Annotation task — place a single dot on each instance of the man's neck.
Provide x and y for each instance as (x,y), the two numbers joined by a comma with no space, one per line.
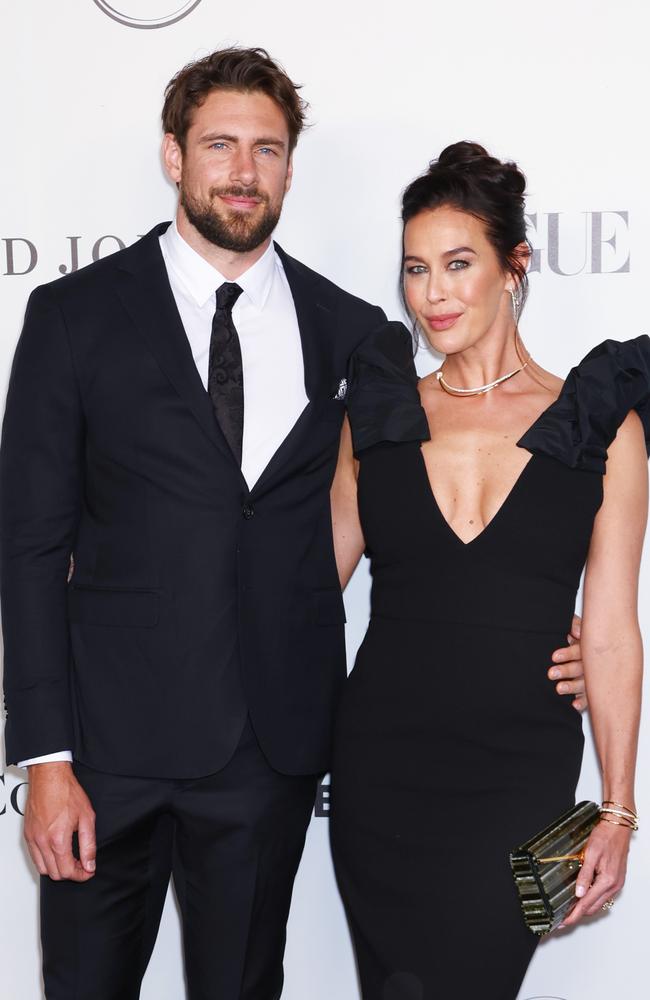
(229,263)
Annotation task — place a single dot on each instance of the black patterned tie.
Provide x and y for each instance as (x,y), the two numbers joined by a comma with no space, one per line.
(225,371)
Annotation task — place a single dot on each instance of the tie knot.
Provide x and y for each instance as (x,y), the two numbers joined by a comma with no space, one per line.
(227,295)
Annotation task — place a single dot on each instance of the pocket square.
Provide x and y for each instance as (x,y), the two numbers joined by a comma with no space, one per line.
(342,390)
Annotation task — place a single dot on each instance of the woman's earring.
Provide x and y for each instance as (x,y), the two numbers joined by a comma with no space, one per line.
(515,295)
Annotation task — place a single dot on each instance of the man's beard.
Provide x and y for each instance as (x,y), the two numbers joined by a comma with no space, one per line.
(238,231)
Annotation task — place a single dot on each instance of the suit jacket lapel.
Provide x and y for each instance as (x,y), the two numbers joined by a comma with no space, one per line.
(313,319)
(146,294)
(314,322)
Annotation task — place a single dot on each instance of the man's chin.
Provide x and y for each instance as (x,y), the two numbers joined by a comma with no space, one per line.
(242,234)
(241,239)
(237,239)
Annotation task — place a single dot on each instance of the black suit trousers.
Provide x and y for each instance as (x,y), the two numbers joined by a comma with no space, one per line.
(233,839)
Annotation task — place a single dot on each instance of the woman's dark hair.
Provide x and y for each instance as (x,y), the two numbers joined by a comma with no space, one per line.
(466,177)
(246,70)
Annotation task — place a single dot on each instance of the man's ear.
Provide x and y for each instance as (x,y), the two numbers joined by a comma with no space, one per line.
(172,156)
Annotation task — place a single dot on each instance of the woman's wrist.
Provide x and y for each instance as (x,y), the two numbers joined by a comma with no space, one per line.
(620,792)
(617,813)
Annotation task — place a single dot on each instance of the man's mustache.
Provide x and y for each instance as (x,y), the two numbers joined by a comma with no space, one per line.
(240,192)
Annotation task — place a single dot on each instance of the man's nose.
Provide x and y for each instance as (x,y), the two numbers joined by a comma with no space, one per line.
(243,167)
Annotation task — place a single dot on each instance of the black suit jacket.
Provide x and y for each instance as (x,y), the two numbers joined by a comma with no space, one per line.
(194,599)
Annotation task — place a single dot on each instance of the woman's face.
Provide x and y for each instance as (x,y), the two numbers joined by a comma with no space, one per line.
(453,280)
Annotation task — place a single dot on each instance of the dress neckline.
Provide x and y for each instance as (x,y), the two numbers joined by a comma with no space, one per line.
(513,489)
(495,517)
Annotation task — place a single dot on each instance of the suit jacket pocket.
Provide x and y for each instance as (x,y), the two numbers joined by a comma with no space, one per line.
(328,606)
(113,606)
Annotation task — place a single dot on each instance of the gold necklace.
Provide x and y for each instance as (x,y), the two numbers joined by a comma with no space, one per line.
(455,391)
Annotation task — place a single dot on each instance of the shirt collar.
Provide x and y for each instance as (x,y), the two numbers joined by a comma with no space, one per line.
(201,279)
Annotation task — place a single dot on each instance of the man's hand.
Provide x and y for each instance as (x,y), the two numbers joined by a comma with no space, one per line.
(57,807)
(567,668)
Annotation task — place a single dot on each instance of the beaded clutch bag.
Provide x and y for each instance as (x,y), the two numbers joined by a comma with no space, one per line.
(546,867)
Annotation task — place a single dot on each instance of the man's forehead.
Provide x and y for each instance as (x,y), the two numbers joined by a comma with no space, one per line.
(243,110)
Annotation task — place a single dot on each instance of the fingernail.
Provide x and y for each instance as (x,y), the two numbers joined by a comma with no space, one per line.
(90,866)
(557,657)
(560,926)
(580,891)
(563,688)
(554,673)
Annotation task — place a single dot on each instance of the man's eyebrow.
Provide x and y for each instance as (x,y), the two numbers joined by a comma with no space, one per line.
(223,137)
(270,142)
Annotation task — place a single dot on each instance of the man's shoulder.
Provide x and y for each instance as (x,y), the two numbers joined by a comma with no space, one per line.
(101,273)
(327,291)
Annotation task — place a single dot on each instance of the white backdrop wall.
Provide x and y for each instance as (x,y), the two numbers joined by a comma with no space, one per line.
(560,86)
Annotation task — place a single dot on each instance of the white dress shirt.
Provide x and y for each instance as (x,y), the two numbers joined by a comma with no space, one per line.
(266,321)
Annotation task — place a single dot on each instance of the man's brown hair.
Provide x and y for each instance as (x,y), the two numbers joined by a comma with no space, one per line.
(235,68)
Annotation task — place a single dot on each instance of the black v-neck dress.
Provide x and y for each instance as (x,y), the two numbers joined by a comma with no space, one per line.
(451,745)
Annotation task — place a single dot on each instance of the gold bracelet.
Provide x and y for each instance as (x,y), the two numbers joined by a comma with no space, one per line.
(609,802)
(618,812)
(630,824)
(622,812)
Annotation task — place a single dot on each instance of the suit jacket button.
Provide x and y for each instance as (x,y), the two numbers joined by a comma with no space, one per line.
(248,510)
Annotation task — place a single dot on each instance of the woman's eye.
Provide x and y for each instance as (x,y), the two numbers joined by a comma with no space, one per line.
(416,269)
(458,265)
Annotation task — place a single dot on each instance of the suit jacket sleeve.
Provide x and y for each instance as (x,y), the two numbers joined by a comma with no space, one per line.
(40,492)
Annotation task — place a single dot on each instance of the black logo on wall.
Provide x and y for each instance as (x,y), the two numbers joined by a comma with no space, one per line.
(564,243)
(12,796)
(150,14)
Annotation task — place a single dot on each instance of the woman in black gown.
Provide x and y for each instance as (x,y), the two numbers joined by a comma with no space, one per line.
(478,511)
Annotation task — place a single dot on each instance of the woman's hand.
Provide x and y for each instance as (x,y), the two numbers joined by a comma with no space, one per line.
(603,872)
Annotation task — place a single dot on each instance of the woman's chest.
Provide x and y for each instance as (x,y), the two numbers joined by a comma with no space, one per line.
(471,473)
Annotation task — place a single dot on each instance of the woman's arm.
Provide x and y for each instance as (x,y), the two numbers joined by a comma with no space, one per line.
(348,537)
(613,655)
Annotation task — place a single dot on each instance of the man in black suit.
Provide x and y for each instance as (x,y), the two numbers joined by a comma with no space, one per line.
(173,420)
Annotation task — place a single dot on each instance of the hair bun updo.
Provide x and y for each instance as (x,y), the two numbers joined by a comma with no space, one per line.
(460,153)
(473,158)
(466,177)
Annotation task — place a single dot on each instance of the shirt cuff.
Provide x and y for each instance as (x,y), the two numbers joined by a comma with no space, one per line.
(48,758)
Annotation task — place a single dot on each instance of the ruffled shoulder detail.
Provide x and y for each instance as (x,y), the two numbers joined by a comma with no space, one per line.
(580,425)
(383,400)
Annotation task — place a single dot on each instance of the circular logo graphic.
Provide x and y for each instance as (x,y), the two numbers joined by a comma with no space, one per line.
(147,13)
